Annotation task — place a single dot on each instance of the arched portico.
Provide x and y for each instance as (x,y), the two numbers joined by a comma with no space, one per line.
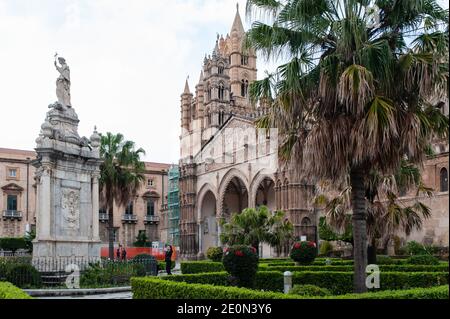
(207,219)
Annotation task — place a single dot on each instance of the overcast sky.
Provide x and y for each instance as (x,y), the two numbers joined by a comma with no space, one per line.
(128,60)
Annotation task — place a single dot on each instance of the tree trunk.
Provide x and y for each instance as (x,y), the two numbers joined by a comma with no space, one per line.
(359,230)
(111,233)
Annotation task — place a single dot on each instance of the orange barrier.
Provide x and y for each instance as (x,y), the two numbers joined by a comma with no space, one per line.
(159,254)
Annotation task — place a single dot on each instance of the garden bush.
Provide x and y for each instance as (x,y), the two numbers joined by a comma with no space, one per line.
(158,288)
(423,260)
(389,268)
(241,262)
(215,254)
(111,274)
(309,290)
(325,248)
(385,260)
(9,291)
(304,252)
(13,244)
(195,267)
(415,248)
(342,282)
(23,276)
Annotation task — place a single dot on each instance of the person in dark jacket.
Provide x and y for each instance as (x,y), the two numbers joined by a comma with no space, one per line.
(168,259)
(119,252)
(124,254)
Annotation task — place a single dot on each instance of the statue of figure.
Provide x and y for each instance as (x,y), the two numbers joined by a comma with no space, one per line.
(63,82)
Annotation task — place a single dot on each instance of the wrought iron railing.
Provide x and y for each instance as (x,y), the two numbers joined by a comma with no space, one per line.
(55,272)
(129,218)
(152,219)
(12,214)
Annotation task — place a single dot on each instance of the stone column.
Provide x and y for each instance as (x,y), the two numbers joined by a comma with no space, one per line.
(200,238)
(95,208)
(45,202)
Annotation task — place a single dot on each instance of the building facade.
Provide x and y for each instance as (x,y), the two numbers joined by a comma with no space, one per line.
(18,201)
(224,169)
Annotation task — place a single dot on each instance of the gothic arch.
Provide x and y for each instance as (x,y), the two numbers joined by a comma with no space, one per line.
(201,195)
(257,180)
(227,178)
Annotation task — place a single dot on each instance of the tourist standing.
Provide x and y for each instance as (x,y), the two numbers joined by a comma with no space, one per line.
(168,259)
(119,252)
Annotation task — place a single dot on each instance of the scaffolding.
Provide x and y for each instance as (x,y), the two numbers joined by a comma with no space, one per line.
(173,205)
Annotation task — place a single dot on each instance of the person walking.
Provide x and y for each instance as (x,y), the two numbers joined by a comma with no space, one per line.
(124,254)
(168,259)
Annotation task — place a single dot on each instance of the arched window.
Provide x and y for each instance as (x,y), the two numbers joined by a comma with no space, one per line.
(244,88)
(221,92)
(306,221)
(221,69)
(444,180)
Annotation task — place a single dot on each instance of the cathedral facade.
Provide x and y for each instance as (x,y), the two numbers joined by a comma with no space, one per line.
(227,165)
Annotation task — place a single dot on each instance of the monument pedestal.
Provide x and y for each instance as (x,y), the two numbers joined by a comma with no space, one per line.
(67,173)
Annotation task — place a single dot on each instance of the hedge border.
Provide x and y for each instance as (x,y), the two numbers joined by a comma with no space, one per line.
(158,288)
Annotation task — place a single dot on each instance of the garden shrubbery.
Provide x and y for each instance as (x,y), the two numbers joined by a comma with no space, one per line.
(309,290)
(157,288)
(13,244)
(215,254)
(241,262)
(21,275)
(195,267)
(423,260)
(304,252)
(111,274)
(9,291)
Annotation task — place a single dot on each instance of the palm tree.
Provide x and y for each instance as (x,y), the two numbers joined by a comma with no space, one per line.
(120,177)
(386,215)
(253,226)
(354,95)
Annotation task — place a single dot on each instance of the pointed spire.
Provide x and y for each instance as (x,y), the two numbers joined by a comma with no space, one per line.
(201,77)
(237,24)
(216,52)
(186,87)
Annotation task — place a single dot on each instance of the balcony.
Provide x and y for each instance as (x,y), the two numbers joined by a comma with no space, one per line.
(12,214)
(103,217)
(129,218)
(151,219)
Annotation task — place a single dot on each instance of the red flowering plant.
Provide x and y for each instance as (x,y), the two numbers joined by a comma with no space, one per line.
(304,253)
(241,262)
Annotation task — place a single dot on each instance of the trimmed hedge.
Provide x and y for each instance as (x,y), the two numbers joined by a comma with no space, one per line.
(9,291)
(195,267)
(157,288)
(13,243)
(385,268)
(337,282)
(342,282)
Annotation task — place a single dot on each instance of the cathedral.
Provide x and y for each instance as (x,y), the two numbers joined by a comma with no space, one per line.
(227,165)
(221,174)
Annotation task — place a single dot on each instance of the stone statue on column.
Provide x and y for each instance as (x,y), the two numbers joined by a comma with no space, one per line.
(63,82)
